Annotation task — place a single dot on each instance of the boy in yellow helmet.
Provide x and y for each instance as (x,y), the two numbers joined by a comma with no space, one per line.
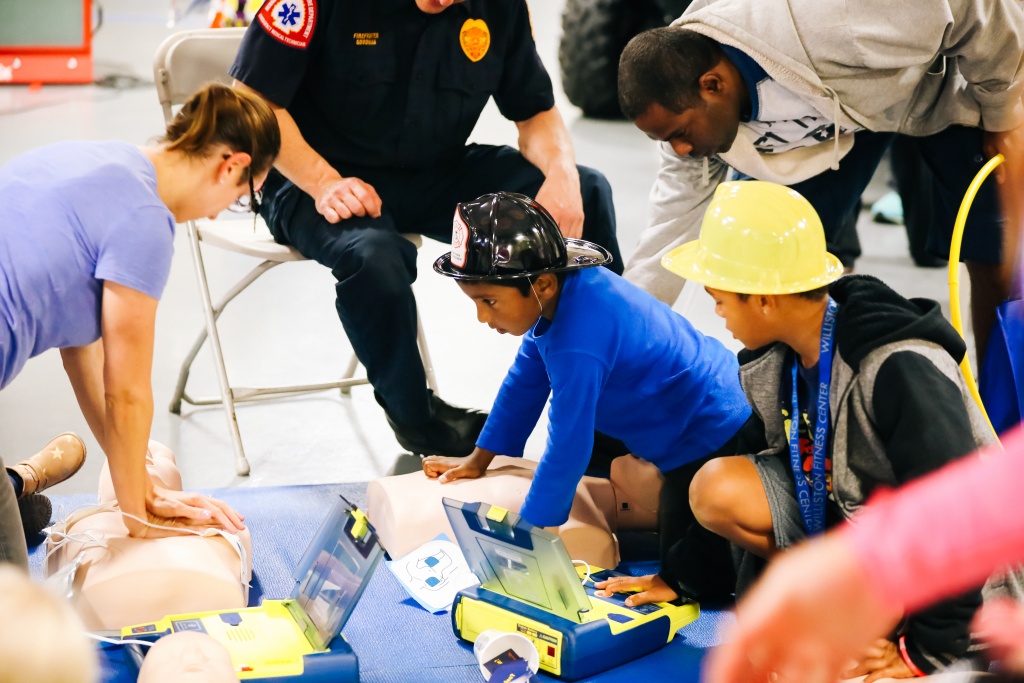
(873,376)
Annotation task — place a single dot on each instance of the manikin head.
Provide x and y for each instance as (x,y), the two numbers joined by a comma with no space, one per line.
(187,657)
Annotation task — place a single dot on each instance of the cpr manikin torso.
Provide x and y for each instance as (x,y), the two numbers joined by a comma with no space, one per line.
(122,581)
(406,510)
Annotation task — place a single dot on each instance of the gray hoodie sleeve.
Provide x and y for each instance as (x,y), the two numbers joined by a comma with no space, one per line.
(994,75)
(677,203)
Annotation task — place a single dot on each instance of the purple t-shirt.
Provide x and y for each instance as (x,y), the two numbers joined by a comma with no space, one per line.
(73,215)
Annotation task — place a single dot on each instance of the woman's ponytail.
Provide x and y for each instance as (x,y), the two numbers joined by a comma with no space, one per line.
(217,114)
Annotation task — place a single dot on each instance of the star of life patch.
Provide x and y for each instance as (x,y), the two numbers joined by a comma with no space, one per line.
(290,22)
(460,240)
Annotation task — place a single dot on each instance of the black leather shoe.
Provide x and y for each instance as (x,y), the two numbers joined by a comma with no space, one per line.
(926,260)
(35,512)
(451,431)
(467,420)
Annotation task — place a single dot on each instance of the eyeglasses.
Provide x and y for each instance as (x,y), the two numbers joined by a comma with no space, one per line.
(250,203)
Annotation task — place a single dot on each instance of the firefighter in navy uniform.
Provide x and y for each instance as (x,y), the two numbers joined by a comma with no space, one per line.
(376,99)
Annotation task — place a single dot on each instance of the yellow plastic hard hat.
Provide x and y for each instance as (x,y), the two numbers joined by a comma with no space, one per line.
(757,238)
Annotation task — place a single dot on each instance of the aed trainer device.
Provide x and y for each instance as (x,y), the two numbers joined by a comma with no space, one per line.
(297,639)
(528,585)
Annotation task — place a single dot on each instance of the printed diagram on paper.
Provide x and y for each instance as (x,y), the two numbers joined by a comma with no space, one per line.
(434,573)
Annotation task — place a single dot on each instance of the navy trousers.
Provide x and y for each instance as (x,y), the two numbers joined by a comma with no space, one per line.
(375,266)
(953,156)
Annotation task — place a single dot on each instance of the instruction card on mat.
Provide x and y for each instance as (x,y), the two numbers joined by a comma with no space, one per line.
(434,573)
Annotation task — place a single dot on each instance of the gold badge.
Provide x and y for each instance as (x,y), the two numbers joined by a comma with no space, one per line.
(475,39)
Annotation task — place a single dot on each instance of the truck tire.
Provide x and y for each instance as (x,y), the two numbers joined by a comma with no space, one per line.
(593,35)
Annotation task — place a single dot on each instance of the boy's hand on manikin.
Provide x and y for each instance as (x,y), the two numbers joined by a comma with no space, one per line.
(446,469)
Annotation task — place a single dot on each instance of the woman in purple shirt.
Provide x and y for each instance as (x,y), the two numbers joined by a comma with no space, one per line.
(86,238)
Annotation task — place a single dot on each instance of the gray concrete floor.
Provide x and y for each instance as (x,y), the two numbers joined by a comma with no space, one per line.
(284,329)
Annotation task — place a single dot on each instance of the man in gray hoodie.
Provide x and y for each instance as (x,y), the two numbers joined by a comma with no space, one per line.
(808,94)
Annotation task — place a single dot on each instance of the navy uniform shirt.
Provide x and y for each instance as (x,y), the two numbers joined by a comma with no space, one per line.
(380,83)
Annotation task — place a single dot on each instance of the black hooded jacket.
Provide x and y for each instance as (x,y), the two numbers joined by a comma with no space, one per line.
(899,409)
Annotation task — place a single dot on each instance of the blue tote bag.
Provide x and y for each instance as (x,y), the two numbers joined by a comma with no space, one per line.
(1002,376)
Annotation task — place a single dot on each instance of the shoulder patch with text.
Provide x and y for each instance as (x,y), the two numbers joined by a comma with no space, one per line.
(289,21)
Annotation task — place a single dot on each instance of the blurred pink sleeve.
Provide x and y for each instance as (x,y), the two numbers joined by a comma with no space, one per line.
(947,532)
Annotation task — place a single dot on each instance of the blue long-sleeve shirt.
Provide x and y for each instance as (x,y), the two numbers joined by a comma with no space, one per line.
(617,360)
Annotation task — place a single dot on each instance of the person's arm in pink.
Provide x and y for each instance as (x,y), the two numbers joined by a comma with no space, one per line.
(944,533)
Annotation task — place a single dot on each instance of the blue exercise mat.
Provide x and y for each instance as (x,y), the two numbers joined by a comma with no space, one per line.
(396,640)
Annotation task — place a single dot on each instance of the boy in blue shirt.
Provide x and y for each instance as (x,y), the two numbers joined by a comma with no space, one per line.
(612,358)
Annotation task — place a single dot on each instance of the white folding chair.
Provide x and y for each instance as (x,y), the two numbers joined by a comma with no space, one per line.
(183,63)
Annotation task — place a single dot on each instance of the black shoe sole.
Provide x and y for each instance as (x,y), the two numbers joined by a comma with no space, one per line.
(36,511)
(467,428)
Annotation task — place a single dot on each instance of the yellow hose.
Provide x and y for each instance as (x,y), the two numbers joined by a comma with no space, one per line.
(954,275)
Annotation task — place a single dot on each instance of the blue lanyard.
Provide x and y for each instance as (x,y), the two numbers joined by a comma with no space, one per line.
(811,497)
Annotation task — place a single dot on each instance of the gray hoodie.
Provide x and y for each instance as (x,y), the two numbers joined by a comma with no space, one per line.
(899,409)
(858,65)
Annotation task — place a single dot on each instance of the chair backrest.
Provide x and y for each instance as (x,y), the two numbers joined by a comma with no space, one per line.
(187,60)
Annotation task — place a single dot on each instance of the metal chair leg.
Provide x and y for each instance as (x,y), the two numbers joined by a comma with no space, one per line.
(350,372)
(180,393)
(421,342)
(230,396)
(428,365)
(241,464)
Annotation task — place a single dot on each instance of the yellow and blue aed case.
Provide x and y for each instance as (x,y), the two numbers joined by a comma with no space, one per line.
(297,639)
(528,584)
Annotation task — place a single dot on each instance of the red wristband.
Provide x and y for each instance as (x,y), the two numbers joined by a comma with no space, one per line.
(905,656)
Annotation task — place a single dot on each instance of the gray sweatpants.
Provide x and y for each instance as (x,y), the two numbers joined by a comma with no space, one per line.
(12,536)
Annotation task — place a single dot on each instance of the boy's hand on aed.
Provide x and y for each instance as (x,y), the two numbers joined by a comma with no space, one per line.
(446,469)
(651,589)
(881,660)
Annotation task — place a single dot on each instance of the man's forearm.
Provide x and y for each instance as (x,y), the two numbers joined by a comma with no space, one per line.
(545,142)
(300,163)
(297,161)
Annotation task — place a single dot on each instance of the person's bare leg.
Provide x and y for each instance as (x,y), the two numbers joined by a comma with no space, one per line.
(988,291)
(728,498)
